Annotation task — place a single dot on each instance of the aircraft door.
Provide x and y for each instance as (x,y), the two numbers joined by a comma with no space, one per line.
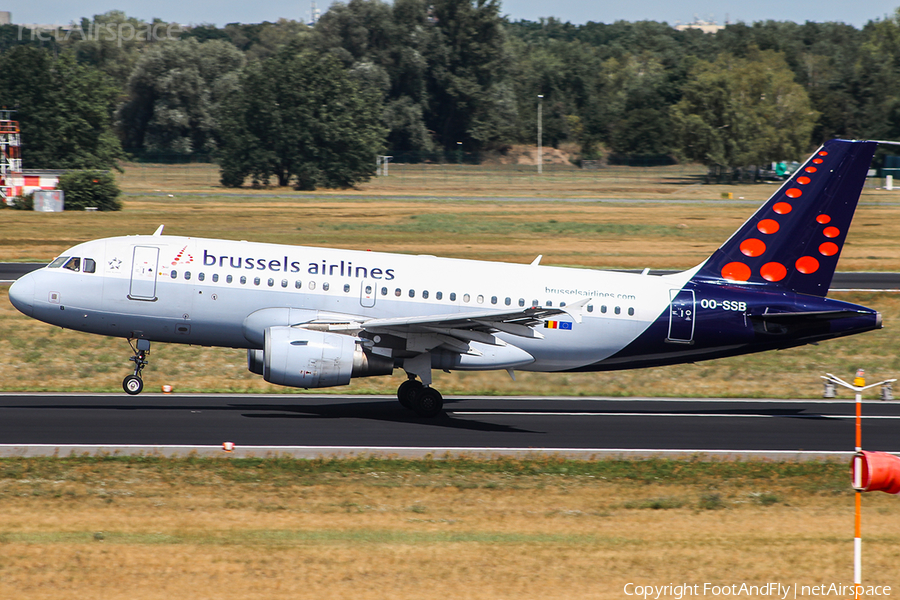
(367,293)
(143,273)
(681,316)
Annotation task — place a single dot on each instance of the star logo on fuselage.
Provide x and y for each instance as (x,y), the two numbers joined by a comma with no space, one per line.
(114,264)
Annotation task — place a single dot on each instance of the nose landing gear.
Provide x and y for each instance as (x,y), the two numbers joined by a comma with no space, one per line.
(133,384)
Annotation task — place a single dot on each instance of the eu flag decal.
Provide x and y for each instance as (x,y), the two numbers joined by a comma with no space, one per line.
(558,325)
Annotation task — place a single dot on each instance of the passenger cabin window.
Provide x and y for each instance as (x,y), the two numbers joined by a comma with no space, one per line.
(201,276)
(243,280)
(256,281)
(215,277)
(312,285)
(173,274)
(397,292)
(452,296)
(229,279)
(384,291)
(439,295)
(630,312)
(284,283)
(493,299)
(480,299)
(549,303)
(271,282)
(412,293)
(590,308)
(521,301)
(90,265)
(187,275)
(74,264)
(465,297)
(535,303)
(618,310)
(297,284)
(326,286)
(58,262)
(508,301)
(425,294)
(347,288)
(603,308)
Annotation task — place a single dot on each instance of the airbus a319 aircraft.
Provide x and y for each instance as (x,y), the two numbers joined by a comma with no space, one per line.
(317,317)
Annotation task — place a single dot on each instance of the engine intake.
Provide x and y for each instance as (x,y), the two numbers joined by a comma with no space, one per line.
(297,357)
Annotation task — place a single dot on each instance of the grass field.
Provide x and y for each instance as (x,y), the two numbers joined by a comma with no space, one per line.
(148,528)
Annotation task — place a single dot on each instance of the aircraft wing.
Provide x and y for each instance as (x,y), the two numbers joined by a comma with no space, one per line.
(456,330)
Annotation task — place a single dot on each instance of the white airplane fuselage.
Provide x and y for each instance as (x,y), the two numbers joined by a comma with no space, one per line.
(191,300)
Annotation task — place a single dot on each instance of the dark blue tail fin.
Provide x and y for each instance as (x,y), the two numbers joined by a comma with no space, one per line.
(794,240)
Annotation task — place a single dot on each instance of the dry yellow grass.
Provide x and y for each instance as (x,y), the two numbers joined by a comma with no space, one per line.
(590,234)
(192,533)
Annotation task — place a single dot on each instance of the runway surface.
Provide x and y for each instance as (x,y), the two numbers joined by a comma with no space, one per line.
(843,281)
(316,425)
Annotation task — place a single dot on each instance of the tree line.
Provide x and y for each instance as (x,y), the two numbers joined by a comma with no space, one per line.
(313,105)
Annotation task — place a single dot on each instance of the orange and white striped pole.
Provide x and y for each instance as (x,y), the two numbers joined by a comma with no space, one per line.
(859,465)
(859,382)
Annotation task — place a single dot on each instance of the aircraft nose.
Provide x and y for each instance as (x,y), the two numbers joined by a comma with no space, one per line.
(21,294)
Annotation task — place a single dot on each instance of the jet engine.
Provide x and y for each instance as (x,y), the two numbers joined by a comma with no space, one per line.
(302,358)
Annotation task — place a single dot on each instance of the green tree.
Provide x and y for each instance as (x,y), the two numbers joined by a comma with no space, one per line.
(738,112)
(90,189)
(469,97)
(174,93)
(386,46)
(302,119)
(64,109)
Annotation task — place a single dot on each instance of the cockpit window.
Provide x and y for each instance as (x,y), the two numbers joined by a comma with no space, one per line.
(74,264)
(58,262)
(89,265)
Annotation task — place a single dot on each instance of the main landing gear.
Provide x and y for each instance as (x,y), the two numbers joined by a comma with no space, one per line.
(424,401)
(133,384)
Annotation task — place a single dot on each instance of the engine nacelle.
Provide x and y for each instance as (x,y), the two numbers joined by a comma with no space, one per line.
(303,358)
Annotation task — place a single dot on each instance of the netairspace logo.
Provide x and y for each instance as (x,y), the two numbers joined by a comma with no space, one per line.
(771,589)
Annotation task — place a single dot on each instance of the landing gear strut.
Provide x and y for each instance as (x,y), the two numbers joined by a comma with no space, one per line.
(424,401)
(133,384)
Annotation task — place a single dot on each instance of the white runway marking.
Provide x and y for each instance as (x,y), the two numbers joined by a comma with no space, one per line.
(647,414)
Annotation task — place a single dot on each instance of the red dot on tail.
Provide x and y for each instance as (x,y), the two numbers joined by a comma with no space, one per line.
(807,265)
(823,219)
(810,169)
(823,153)
(831,232)
(773,271)
(793,193)
(782,208)
(803,180)
(817,161)
(828,248)
(753,247)
(736,271)
(767,226)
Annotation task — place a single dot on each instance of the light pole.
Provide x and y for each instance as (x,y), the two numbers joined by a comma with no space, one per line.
(858,386)
(540,134)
